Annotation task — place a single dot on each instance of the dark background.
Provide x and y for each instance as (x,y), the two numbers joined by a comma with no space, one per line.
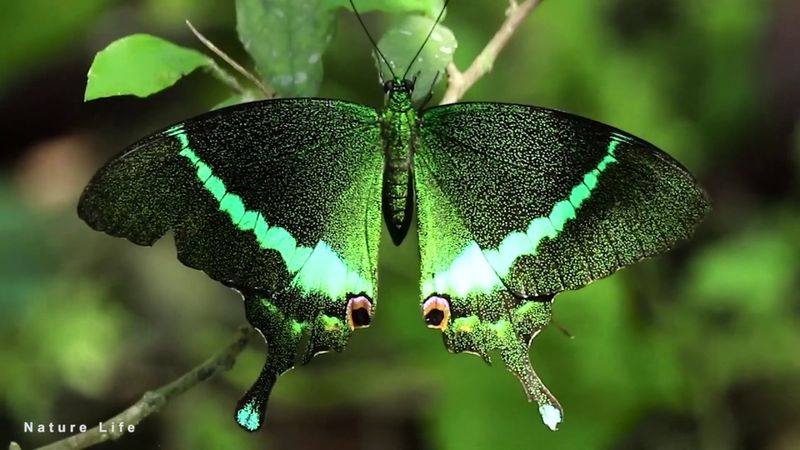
(696,349)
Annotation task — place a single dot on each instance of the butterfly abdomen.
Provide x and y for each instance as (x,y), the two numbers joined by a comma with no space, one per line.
(398,130)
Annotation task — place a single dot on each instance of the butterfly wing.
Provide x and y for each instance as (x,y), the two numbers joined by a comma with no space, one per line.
(517,203)
(279,199)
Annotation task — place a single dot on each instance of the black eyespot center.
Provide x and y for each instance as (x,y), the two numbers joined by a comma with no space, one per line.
(359,311)
(361,317)
(436,312)
(434,317)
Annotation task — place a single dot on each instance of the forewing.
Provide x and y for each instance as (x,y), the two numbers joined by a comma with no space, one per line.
(517,203)
(553,200)
(279,199)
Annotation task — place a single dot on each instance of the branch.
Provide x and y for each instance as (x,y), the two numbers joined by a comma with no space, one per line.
(227,79)
(222,75)
(151,402)
(459,82)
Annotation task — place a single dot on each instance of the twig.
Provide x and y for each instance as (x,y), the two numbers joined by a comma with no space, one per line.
(236,66)
(151,402)
(460,82)
(226,78)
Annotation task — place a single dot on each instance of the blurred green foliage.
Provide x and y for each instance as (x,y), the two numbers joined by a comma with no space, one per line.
(667,354)
(39,29)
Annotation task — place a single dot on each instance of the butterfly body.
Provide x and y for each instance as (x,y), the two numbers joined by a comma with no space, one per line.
(400,133)
(283,200)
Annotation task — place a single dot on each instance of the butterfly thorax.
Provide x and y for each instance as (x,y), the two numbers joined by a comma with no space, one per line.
(399,135)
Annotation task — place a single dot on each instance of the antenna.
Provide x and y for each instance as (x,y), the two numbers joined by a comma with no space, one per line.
(438,19)
(371,40)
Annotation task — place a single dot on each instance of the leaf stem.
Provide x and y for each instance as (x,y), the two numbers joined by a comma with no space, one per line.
(227,79)
(152,401)
(460,82)
(266,92)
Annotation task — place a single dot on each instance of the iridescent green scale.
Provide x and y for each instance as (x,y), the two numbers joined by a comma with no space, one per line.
(282,200)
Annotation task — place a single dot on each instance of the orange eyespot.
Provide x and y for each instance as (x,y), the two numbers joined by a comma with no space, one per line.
(436,312)
(359,312)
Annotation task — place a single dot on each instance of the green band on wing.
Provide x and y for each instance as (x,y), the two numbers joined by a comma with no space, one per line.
(475,270)
(317,269)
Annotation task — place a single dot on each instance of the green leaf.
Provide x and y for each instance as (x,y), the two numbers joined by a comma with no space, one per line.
(430,8)
(140,65)
(286,39)
(401,43)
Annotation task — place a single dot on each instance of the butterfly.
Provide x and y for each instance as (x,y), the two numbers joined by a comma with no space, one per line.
(284,199)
